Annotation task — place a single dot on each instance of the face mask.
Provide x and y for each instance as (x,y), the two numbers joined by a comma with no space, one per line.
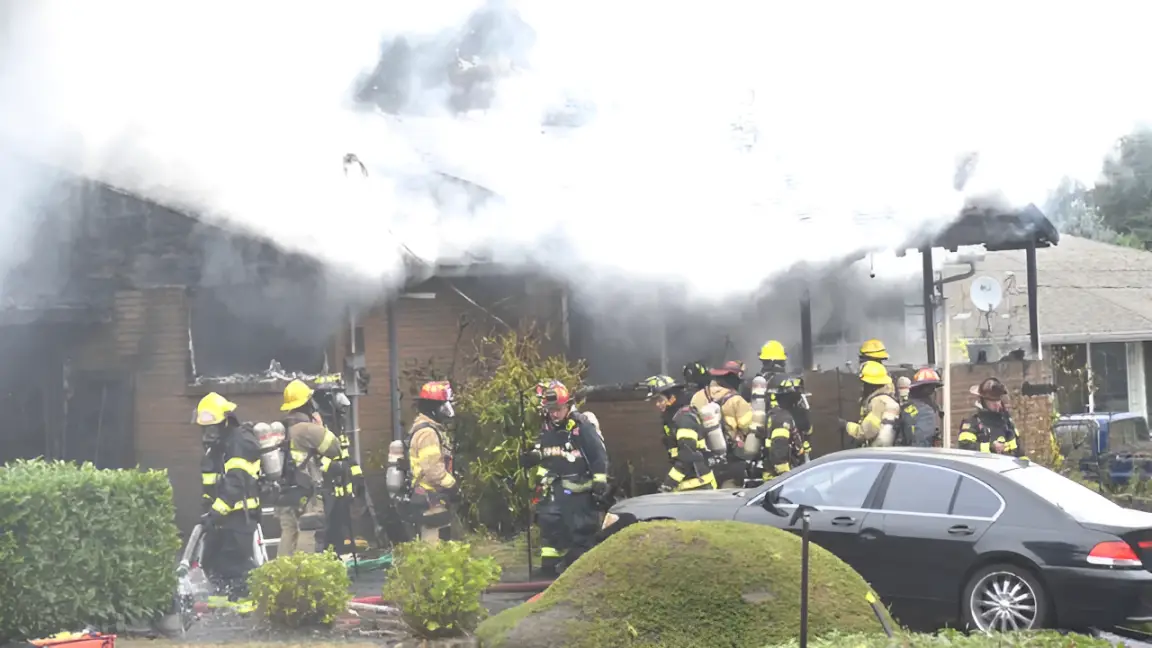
(210,435)
(446,410)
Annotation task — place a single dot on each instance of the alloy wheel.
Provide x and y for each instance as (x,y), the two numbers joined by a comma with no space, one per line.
(1002,601)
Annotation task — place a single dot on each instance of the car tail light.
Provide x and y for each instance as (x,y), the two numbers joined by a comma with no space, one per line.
(1114,554)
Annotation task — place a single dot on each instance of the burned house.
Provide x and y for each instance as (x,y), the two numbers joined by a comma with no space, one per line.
(125,313)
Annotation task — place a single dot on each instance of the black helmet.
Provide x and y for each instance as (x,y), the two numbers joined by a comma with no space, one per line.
(660,384)
(696,373)
(786,384)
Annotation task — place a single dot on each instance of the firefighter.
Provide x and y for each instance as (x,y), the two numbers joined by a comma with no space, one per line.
(919,413)
(773,361)
(879,410)
(903,385)
(571,465)
(788,428)
(231,471)
(873,350)
(683,437)
(430,459)
(301,509)
(340,475)
(991,428)
(735,420)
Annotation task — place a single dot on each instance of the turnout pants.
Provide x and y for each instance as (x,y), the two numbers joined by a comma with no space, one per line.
(338,526)
(292,539)
(568,526)
(434,515)
(228,553)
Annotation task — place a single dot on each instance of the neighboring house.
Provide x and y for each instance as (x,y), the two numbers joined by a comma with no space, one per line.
(1095,319)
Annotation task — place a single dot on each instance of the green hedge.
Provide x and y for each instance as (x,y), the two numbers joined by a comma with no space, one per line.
(953,639)
(83,546)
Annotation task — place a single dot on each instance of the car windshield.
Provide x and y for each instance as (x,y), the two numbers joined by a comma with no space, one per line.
(1075,500)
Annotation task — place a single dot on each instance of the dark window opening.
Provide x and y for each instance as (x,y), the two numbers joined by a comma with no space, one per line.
(243,329)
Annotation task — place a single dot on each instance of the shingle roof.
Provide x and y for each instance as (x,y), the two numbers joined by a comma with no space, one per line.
(1088,291)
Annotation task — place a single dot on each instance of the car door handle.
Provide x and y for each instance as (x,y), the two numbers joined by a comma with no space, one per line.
(843,520)
(961,529)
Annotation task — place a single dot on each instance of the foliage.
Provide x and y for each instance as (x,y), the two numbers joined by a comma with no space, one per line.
(438,587)
(303,589)
(497,422)
(83,546)
(671,584)
(954,639)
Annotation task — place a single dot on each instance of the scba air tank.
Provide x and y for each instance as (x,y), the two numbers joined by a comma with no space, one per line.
(395,478)
(271,438)
(710,418)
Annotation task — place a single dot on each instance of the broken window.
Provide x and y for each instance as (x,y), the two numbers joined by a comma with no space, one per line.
(242,329)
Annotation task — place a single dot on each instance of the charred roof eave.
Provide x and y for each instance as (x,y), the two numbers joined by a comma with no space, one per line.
(995,229)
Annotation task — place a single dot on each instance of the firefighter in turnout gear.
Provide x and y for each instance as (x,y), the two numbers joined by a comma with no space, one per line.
(301,509)
(773,361)
(991,428)
(230,469)
(919,414)
(788,427)
(873,350)
(571,466)
(879,410)
(430,459)
(727,419)
(683,437)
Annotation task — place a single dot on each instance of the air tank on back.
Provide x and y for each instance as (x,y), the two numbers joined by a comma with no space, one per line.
(271,437)
(714,438)
(396,476)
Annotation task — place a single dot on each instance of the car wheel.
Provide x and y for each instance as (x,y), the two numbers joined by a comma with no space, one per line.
(1004,597)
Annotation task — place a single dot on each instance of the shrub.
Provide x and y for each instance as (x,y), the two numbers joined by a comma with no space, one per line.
(498,422)
(438,587)
(673,584)
(82,546)
(953,639)
(301,590)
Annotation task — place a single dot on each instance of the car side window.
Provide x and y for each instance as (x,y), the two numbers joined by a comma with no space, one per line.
(843,484)
(974,499)
(916,488)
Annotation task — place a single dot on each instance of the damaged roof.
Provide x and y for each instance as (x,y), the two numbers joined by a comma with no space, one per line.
(1088,292)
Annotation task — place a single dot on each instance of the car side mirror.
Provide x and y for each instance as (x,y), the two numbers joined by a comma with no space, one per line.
(769,502)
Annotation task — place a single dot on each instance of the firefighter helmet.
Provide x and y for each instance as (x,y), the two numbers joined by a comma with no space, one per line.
(556,396)
(695,372)
(773,351)
(730,368)
(926,376)
(438,391)
(785,384)
(212,409)
(873,349)
(990,389)
(874,373)
(296,394)
(661,384)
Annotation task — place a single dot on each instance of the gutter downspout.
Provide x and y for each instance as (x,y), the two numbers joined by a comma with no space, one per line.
(394,366)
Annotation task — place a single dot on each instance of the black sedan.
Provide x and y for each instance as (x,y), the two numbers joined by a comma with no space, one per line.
(951,537)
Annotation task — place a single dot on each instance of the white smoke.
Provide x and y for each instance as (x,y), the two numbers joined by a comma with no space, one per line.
(746,136)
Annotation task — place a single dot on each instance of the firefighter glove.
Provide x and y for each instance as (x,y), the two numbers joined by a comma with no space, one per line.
(358,485)
(600,489)
(531,458)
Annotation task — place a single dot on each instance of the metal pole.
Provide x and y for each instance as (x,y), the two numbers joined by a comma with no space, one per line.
(807,352)
(354,412)
(1033,307)
(929,312)
(394,368)
(946,374)
(805,521)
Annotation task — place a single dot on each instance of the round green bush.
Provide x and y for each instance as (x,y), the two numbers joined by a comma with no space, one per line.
(438,587)
(673,584)
(301,590)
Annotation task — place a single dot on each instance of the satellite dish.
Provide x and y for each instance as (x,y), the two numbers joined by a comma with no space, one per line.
(986,293)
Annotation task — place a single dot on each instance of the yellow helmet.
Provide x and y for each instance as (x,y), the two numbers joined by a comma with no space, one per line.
(296,394)
(773,350)
(873,349)
(874,373)
(212,409)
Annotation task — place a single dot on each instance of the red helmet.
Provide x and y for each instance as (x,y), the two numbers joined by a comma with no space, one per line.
(556,396)
(732,367)
(926,376)
(438,390)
